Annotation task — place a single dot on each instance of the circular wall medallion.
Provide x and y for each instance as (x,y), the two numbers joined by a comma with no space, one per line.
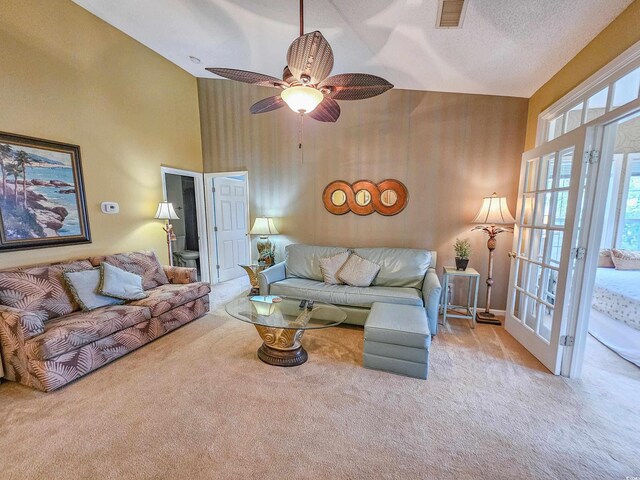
(388,198)
(364,197)
(338,198)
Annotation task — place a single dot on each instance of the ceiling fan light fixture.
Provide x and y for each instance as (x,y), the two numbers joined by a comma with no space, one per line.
(302,99)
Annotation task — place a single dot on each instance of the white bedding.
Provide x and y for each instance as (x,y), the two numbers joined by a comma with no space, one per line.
(617,294)
(620,338)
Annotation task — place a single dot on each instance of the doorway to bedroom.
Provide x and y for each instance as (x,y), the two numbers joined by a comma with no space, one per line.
(614,308)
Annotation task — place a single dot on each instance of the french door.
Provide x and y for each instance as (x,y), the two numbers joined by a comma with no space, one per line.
(548,213)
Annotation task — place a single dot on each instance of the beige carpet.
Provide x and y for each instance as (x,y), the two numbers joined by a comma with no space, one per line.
(199,404)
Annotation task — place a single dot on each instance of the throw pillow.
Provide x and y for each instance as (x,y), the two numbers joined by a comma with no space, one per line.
(40,289)
(120,284)
(604,259)
(143,263)
(358,271)
(83,286)
(625,259)
(330,266)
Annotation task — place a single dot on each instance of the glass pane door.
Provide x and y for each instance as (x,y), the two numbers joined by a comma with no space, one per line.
(550,182)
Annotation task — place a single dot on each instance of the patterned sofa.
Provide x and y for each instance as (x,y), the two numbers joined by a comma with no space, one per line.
(47,341)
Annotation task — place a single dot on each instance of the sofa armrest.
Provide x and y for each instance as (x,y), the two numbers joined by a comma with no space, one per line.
(271,275)
(431,291)
(181,274)
(30,324)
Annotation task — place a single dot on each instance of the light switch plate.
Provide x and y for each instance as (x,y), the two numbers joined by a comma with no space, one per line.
(110,208)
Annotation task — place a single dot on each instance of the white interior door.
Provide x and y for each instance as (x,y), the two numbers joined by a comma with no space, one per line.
(231,230)
(544,250)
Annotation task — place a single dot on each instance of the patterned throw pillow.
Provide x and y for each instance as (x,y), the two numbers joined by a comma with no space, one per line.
(118,283)
(625,259)
(84,285)
(330,266)
(40,289)
(358,271)
(144,263)
(604,259)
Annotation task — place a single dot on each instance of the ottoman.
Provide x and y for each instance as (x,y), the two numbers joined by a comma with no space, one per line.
(397,339)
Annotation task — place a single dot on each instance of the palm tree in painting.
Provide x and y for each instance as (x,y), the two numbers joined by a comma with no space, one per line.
(22,161)
(13,170)
(6,152)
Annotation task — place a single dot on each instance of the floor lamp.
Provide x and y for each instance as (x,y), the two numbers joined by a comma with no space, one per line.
(166,212)
(494,211)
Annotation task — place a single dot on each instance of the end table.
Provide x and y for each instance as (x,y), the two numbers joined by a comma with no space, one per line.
(467,311)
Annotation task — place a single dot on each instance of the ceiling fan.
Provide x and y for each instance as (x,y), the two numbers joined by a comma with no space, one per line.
(305,86)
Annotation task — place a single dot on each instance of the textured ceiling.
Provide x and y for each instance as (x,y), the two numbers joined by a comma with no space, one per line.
(506,47)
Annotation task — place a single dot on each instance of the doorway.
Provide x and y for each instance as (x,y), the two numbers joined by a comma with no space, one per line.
(609,302)
(227,201)
(184,189)
(561,204)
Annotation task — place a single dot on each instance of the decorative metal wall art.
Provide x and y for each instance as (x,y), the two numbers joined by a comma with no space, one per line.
(389,197)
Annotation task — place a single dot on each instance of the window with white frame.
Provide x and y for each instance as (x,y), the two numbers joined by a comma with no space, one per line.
(630,211)
(616,90)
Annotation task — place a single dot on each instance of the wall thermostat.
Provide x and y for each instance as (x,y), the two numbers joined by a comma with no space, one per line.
(110,207)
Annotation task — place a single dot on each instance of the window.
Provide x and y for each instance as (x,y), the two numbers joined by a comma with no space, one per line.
(630,231)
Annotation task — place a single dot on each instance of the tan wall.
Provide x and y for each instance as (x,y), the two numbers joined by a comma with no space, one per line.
(68,76)
(449,149)
(618,36)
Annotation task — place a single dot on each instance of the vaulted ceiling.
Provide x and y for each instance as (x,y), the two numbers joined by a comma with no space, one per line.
(505,47)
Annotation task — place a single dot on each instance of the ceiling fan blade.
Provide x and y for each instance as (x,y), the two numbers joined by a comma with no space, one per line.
(249,77)
(310,58)
(267,104)
(327,111)
(353,86)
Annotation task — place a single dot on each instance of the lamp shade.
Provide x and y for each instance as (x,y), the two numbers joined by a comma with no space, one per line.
(302,99)
(166,212)
(494,211)
(264,226)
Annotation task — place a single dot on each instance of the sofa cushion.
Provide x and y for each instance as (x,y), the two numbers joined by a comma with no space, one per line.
(303,261)
(167,297)
(344,294)
(330,266)
(40,289)
(84,286)
(143,263)
(399,267)
(70,332)
(358,271)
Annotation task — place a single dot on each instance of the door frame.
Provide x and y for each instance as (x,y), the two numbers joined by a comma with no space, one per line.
(200,213)
(596,192)
(211,219)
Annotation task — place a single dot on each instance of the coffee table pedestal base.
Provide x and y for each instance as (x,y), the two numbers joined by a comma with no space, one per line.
(281,346)
(282,358)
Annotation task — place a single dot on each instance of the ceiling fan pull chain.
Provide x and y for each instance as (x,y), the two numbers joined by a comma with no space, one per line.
(300,134)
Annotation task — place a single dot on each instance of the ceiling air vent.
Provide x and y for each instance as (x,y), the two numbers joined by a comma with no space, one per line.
(451,13)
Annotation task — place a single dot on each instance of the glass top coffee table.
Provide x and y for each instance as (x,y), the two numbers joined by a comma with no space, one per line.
(281,322)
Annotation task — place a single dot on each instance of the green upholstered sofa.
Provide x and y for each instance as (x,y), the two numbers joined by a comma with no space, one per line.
(407,277)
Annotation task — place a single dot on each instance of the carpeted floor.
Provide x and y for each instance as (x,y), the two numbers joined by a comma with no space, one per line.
(198,403)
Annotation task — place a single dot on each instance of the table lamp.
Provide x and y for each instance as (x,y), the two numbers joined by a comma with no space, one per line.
(264,226)
(494,211)
(166,212)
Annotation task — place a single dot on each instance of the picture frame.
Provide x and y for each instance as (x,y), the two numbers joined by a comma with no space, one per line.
(42,194)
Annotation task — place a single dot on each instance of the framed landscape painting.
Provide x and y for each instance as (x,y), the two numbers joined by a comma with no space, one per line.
(42,201)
